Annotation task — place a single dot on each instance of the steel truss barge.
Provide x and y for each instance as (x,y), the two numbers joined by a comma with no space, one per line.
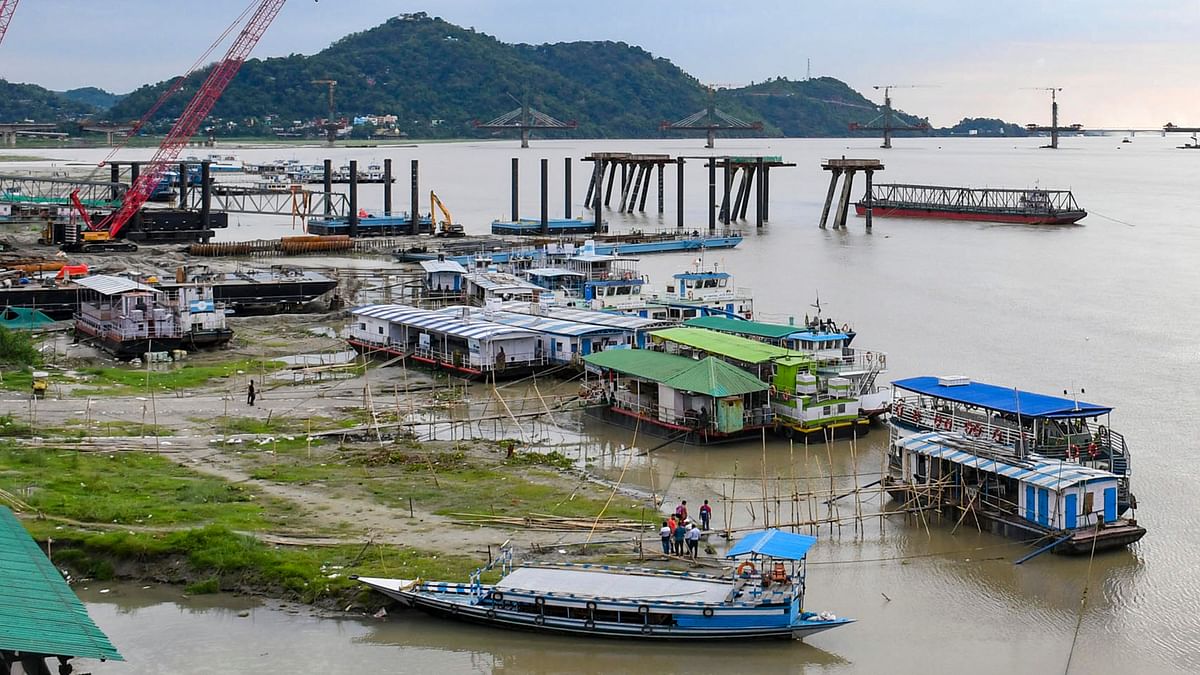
(1026,206)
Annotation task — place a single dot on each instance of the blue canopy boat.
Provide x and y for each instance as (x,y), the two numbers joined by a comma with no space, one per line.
(763,599)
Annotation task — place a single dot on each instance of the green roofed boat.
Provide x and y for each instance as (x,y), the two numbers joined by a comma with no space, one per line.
(695,401)
(806,380)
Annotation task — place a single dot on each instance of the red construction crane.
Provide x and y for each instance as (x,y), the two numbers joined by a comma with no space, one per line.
(103,235)
(7,7)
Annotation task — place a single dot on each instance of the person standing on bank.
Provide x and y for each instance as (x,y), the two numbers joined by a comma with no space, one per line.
(693,542)
(665,533)
(705,515)
(250,393)
(680,532)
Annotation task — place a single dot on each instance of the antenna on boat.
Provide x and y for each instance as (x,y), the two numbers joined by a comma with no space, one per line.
(1020,426)
(1075,395)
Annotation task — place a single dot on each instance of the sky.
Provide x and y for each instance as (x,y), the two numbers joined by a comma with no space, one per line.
(1119,64)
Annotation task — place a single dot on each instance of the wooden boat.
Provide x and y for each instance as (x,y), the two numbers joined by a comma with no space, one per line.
(763,599)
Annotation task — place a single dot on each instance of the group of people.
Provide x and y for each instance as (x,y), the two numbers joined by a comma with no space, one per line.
(679,530)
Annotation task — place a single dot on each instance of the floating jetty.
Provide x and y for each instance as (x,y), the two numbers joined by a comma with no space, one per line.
(553,226)
(1026,206)
(370,225)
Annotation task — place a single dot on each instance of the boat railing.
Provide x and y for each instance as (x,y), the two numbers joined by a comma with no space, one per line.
(927,415)
(923,196)
(853,361)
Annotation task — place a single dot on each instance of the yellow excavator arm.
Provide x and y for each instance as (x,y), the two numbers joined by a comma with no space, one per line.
(435,202)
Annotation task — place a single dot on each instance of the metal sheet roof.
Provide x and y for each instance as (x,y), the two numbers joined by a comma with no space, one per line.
(106,284)
(714,377)
(773,543)
(39,613)
(553,272)
(592,316)
(733,346)
(432,266)
(1003,399)
(1052,474)
(643,363)
(600,583)
(726,324)
(500,281)
(475,329)
(541,324)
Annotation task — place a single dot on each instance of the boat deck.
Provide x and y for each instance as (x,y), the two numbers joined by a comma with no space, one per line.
(599,583)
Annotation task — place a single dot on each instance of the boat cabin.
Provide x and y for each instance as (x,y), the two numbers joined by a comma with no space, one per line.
(481,287)
(1052,426)
(1019,494)
(443,276)
(471,347)
(709,396)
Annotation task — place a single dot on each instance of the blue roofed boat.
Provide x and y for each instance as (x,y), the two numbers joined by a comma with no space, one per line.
(372,225)
(764,598)
(1054,427)
(694,242)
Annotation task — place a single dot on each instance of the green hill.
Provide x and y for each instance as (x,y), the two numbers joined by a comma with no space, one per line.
(438,78)
(21,102)
(91,96)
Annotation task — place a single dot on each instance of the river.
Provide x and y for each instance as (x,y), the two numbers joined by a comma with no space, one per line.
(1108,307)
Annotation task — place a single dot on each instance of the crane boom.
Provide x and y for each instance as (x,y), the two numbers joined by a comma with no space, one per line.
(7,7)
(193,115)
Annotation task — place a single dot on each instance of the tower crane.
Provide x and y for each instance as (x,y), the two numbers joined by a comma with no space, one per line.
(102,236)
(330,125)
(7,7)
(1053,128)
(888,125)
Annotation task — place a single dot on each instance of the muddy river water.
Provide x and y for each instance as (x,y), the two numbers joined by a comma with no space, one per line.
(1110,306)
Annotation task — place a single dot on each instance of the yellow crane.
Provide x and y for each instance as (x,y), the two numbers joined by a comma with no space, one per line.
(446,227)
(330,126)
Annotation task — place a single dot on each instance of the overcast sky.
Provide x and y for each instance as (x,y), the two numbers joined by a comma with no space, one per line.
(1120,63)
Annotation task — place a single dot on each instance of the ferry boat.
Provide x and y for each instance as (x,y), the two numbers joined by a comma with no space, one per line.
(1028,206)
(764,598)
(1054,427)
(823,389)
(1061,506)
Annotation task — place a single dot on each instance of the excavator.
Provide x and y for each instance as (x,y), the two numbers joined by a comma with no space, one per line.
(443,228)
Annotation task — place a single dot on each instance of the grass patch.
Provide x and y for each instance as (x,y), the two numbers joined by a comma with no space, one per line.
(116,380)
(220,559)
(126,488)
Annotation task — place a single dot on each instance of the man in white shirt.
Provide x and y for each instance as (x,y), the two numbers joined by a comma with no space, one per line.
(693,541)
(665,533)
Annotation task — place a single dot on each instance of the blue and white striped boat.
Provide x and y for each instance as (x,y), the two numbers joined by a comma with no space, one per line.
(763,599)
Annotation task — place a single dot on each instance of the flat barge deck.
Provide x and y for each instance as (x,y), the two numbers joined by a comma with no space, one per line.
(1025,206)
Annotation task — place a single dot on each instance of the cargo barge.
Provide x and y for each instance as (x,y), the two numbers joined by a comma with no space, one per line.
(1025,206)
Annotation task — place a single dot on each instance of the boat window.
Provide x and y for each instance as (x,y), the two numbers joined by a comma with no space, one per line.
(605,615)
(825,411)
(723,283)
(623,290)
(841,407)
(381,330)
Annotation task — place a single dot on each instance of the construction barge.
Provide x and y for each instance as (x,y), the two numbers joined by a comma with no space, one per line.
(1024,206)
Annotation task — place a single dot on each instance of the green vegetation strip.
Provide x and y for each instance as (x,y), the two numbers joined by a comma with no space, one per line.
(152,514)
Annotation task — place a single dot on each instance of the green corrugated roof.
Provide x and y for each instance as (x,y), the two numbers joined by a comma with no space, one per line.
(715,377)
(39,613)
(741,327)
(733,346)
(655,366)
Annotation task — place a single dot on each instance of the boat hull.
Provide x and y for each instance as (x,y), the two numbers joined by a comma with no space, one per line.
(676,432)
(461,607)
(1062,218)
